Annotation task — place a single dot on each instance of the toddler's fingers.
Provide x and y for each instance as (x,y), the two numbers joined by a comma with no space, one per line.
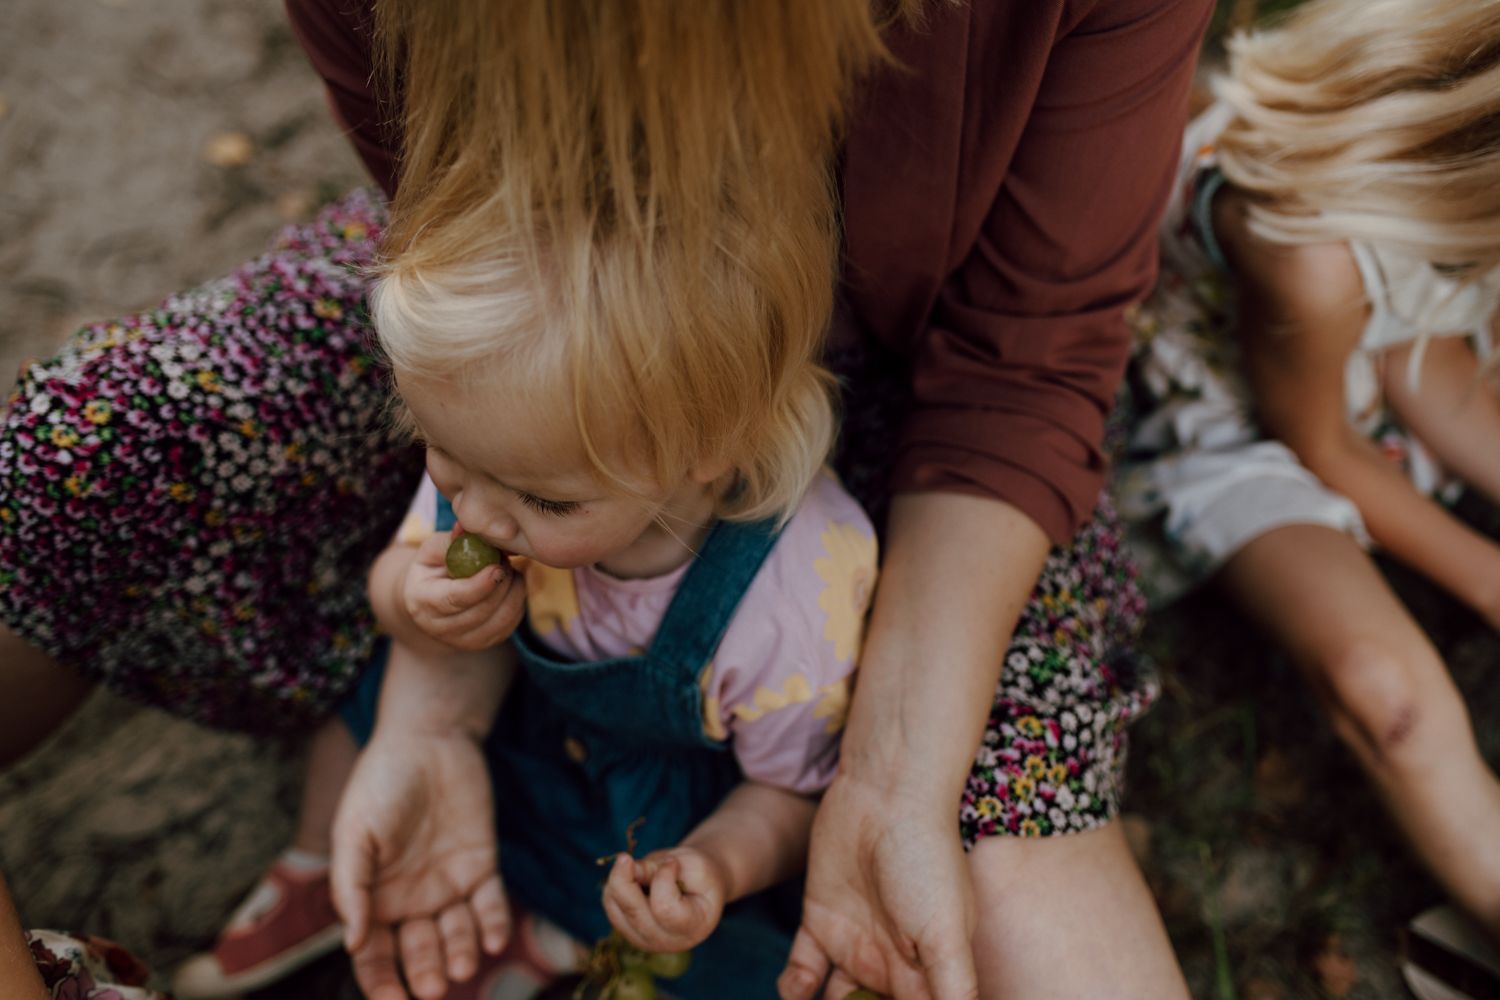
(452,597)
(422,958)
(626,905)
(671,910)
(434,548)
(460,941)
(492,911)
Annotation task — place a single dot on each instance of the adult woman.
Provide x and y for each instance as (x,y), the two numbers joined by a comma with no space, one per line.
(1000,184)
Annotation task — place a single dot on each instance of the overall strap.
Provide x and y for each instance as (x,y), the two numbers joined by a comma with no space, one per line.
(1209,181)
(708,596)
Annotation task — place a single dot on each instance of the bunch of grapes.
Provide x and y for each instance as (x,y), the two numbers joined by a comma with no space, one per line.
(617,970)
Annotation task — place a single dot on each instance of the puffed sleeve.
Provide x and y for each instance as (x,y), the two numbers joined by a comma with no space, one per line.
(1027,342)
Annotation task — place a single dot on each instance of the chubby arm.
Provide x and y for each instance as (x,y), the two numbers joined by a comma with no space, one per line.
(1302,313)
(672,900)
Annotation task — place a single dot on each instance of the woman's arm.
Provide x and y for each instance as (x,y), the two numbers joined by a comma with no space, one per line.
(1302,312)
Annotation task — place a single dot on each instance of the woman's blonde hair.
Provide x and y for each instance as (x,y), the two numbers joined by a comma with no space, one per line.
(636,195)
(1372,120)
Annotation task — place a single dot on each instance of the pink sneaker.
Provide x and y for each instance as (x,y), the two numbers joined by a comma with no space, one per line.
(286,922)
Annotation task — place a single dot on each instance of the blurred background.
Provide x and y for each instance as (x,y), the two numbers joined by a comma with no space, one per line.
(148,145)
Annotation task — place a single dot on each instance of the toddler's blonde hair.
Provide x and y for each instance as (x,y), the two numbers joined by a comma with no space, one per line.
(667,367)
(1372,120)
(635,196)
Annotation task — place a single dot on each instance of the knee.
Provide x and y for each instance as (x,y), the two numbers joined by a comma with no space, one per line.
(1383,703)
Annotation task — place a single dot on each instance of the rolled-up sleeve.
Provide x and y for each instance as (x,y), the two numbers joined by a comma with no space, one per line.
(1026,344)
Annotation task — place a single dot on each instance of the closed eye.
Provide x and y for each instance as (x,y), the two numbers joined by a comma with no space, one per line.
(556,508)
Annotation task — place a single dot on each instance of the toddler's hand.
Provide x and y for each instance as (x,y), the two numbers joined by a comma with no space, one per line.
(473,614)
(680,906)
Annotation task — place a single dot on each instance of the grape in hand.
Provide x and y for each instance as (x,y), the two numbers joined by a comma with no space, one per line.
(468,554)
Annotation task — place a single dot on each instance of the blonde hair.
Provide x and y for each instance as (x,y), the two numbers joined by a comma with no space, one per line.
(636,195)
(656,377)
(1372,120)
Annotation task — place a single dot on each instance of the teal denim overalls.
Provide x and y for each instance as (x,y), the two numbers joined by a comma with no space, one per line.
(580,751)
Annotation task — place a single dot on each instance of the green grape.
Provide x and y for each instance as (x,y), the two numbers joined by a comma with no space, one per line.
(862,994)
(632,957)
(468,554)
(634,984)
(669,964)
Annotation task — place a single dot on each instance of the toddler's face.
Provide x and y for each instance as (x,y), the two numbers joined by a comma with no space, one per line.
(522,481)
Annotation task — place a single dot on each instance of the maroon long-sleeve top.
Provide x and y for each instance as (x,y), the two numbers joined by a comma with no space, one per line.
(1000,202)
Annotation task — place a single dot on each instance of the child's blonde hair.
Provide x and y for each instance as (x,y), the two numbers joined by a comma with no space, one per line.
(669,363)
(636,196)
(1372,120)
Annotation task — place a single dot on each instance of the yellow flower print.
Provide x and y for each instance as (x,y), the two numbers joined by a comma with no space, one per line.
(181,492)
(355,231)
(75,485)
(795,691)
(1035,766)
(551,598)
(848,570)
(247,428)
(834,705)
(1030,726)
(1023,788)
(97,412)
(213,518)
(1030,828)
(64,437)
(327,309)
(1057,774)
(6,515)
(208,381)
(988,807)
(713,718)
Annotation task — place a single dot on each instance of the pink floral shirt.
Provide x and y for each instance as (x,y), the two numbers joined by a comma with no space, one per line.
(778,686)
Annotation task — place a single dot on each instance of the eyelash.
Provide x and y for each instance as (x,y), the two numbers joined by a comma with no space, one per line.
(556,508)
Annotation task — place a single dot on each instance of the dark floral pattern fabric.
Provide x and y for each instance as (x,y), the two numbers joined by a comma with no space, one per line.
(88,968)
(1053,756)
(190,496)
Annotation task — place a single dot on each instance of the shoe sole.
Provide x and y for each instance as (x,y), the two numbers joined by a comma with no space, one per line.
(264,974)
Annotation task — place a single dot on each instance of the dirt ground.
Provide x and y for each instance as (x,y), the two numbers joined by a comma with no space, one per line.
(146,145)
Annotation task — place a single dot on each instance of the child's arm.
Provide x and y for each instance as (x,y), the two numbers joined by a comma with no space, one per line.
(671,900)
(1302,311)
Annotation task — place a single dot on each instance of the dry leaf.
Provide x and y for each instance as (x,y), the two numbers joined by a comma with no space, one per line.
(1336,971)
(229,149)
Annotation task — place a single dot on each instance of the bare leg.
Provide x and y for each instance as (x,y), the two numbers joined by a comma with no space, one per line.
(1389,697)
(330,761)
(1093,931)
(1453,411)
(40,694)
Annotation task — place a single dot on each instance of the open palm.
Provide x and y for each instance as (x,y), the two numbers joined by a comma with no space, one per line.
(416,866)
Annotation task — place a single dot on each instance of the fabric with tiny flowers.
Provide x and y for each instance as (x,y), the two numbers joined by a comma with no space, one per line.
(79,967)
(190,497)
(1052,760)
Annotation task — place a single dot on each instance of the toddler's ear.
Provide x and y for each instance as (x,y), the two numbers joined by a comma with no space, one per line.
(711,470)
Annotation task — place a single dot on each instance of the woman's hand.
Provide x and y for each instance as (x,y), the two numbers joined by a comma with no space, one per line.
(416,866)
(473,614)
(687,889)
(888,904)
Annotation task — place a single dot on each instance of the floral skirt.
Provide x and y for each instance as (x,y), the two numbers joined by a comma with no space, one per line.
(1053,756)
(190,496)
(190,499)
